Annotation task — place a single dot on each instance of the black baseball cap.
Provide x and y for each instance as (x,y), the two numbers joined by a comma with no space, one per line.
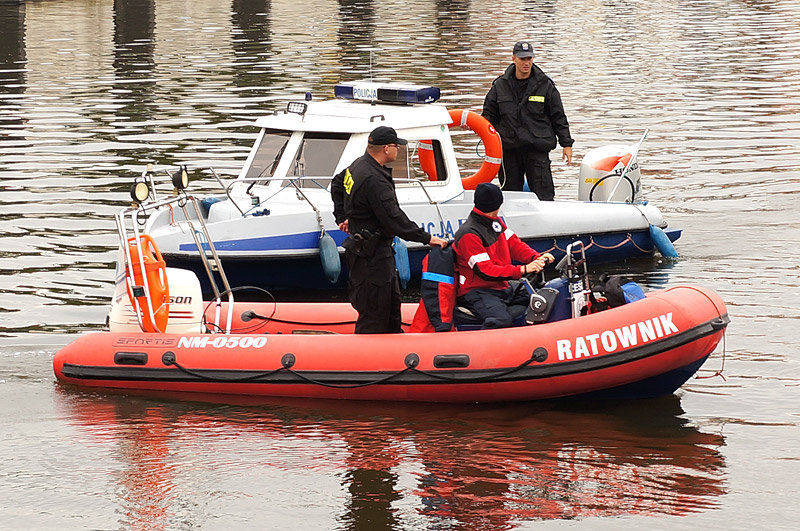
(523,50)
(380,136)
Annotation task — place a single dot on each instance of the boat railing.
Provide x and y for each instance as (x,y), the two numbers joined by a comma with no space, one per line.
(199,231)
(256,201)
(293,182)
(431,201)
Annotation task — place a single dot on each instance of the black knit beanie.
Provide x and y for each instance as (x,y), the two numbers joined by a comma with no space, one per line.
(488,197)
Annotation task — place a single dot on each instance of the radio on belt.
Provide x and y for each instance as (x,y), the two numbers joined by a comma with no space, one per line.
(386,92)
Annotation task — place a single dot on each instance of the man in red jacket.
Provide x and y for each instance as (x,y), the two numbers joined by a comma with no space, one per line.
(485,248)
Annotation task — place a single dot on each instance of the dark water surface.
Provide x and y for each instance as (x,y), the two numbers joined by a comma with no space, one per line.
(93,90)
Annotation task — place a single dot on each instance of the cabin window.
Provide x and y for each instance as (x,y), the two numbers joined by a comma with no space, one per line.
(315,160)
(420,159)
(317,157)
(268,154)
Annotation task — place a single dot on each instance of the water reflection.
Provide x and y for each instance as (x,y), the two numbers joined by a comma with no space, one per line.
(371,478)
(12,69)
(471,467)
(250,40)
(355,36)
(145,484)
(134,62)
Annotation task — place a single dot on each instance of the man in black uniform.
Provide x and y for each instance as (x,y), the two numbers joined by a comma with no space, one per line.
(525,107)
(365,206)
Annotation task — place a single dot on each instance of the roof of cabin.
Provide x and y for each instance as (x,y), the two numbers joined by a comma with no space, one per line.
(352,116)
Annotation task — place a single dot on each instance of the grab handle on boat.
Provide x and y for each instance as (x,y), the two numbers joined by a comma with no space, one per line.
(451,361)
(130,358)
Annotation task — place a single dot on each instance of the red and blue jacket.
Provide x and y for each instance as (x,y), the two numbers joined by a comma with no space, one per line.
(485,251)
(437,291)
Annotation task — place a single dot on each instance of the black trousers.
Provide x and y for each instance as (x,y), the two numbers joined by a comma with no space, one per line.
(374,291)
(534,166)
(489,305)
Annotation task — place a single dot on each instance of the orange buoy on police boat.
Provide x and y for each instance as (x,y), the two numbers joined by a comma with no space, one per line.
(492,144)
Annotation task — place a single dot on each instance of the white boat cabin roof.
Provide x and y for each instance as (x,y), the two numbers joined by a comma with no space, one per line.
(350,116)
(360,107)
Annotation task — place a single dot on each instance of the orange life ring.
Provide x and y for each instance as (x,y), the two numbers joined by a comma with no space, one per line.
(157,287)
(491,141)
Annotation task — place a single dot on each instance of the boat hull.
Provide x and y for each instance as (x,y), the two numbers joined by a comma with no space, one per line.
(646,348)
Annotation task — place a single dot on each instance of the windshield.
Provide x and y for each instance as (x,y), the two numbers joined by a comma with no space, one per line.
(315,159)
(314,162)
(269,152)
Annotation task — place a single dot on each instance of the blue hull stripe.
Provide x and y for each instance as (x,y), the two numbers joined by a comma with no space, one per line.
(303,240)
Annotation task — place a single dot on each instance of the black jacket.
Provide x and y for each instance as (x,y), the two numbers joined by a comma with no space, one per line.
(364,194)
(529,115)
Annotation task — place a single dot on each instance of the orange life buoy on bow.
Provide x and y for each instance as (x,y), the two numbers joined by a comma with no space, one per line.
(155,269)
(491,142)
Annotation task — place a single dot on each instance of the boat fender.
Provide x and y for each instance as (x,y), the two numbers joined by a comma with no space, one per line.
(491,142)
(401,261)
(155,271)
(329,256)
(662,243)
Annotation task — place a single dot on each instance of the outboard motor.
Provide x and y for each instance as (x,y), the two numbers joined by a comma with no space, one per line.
(601,168)
(185,305)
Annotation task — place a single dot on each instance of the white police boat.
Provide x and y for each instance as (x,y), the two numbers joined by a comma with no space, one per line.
(273,225)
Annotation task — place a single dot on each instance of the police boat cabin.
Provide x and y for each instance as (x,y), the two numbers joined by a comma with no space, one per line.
(311,141)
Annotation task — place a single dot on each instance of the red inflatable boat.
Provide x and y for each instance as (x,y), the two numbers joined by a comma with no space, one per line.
(646,348)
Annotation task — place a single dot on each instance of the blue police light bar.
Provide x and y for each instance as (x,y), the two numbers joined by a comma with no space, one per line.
(387,93)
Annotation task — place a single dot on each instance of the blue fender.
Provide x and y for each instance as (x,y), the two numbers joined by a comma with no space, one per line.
(662,243)
(329,255)
(401,261)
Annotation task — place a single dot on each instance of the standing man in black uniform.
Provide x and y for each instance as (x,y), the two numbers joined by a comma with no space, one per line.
(525,107)
(365,206)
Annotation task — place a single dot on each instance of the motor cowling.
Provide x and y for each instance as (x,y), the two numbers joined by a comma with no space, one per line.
(600,172)
(185,305)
